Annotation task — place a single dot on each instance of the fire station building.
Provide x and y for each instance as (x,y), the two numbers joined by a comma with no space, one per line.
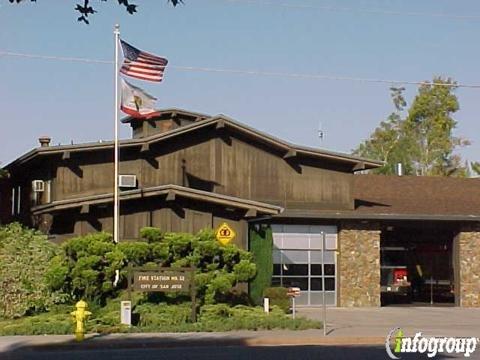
(184,171)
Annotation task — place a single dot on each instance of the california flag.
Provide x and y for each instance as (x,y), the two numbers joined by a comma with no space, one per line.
(136,102)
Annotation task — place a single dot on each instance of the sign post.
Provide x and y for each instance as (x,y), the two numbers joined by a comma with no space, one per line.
(324,305)
(293,292)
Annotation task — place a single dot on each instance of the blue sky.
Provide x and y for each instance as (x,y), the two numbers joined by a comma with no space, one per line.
(74,101)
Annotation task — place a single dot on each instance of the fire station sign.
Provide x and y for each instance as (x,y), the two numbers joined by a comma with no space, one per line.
(225,234)
(162,281)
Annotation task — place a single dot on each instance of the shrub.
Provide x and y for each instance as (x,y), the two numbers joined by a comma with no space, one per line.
(221,317)
(163,315)
(136,253)
(278,297)
(86,267)
(261,246)
(24,258)
(151,234)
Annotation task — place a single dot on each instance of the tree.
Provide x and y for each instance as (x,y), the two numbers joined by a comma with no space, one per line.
(86,9)
(422,139)
(387,142)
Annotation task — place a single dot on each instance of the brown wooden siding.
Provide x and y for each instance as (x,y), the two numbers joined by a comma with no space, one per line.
(250,172)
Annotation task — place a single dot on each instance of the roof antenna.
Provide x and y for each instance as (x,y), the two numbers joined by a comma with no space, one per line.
(321,133)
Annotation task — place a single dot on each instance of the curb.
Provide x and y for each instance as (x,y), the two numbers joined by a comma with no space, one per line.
(330,341)
(146,342)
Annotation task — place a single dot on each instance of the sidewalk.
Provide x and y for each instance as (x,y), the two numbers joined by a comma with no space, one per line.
(375,322)
(346,326)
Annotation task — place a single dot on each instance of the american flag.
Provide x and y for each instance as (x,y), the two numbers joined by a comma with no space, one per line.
(142,65)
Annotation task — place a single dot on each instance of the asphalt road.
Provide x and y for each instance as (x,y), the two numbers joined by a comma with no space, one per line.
(217,352)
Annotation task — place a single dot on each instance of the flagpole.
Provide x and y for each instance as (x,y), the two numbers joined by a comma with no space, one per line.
(116,202)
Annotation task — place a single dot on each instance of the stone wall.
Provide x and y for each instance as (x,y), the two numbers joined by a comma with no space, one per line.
(359,265)
(468,242)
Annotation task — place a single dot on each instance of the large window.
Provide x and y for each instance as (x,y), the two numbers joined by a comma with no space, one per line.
(297,259)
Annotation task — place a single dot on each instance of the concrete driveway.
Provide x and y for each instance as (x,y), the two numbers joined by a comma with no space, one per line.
(432,321)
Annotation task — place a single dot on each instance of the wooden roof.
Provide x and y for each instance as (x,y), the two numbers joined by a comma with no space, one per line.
(216,122)
(408,198)
(170,191)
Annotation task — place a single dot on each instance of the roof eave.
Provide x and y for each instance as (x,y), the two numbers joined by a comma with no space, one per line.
(170,189)
(378,216)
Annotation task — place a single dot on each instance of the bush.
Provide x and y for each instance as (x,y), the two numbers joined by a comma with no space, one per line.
(151,234)
(86,267)
(221,317)
(261,246)
(24,258)
(163,315)
(278,297)
(55,324)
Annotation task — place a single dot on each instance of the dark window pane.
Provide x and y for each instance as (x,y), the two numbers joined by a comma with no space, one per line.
(329,284)
(276,269)
(316,269)
(390,257)
(302,283)
(295,269)
(329,269)
(316,284)
(276,281)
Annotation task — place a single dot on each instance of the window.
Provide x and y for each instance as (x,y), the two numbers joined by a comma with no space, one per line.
(297,261)
(13,201)
(19,198)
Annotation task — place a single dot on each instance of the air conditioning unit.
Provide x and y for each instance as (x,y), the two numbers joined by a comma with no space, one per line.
(127,181)
(38,186)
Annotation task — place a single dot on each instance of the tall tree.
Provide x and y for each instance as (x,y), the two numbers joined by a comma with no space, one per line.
(422,139)
(388,143)
(430,125)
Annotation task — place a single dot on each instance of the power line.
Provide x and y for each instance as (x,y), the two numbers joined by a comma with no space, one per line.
(354,10)
(250,72)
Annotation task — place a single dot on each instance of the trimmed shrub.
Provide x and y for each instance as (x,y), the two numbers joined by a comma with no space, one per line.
(86,267)
(151,234)
(163,315)
(278,297)
(24,258)
(261,246)
(57,324)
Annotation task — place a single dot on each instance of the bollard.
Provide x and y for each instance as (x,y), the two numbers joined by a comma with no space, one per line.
(266,305)
(80,316)
(126,313)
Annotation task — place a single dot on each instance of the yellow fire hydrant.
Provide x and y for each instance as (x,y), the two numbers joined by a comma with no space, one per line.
(80,316)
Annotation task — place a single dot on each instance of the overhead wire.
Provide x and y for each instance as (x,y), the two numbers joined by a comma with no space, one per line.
(250,72)
(352,10)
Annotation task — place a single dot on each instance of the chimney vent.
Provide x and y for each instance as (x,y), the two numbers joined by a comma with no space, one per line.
(44,141)
(399,169)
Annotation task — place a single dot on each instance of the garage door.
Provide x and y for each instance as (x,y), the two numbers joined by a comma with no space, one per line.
(297,259)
